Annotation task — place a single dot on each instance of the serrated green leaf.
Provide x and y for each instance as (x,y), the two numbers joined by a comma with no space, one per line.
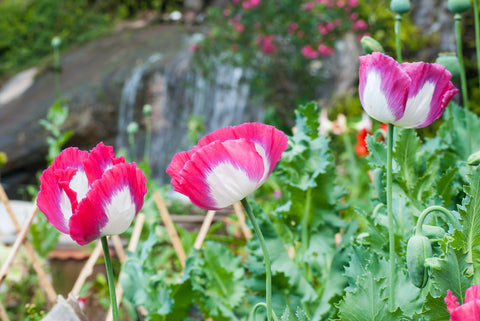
(435,309)
(306,119)
(450,273)
(445,187)
(469,238)
(377,157)
(405,151)
(460,131)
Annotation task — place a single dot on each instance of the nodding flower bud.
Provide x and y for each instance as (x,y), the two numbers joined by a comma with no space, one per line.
(458,6)
(370,45)
(400,6)
(450,61)
(132,128)
(56,42)
(147,110)
(419,249)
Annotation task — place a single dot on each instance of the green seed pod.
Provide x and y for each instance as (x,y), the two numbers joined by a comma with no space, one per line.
(458,6)
(56,42)
(419,248)
(147,110)
(433,232)
(378,174)
(370,45)
(450,61)
(132,128)
(400,6)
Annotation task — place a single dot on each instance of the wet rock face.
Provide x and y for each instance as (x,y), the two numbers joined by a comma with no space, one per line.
(91,80)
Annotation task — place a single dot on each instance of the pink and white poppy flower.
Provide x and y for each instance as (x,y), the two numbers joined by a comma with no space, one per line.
(227,165)
(89,195)
(409,95)
(470,310)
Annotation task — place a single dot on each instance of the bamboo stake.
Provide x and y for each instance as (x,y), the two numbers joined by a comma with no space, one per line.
(204,230)
(167,220)
(16,246)
(87,269)
(3,313)
(37,266)
(118,246)
(237,207)
(132,245)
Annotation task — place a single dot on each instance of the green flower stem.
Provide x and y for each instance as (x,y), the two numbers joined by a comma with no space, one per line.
(391,229)
(463,77)
(148,137)
(477,36)
(56,71)
(268,268)
(353,164)
(398,45)
(111,281)
(305,220)
(423,215)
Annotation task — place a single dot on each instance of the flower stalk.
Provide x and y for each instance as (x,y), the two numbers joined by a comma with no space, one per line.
(268,268)
(463,77)
(110,279)
(391,229)
(398,45)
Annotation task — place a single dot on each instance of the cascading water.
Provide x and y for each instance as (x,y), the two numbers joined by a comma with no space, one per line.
(220,102)
(129,98)
(177,93)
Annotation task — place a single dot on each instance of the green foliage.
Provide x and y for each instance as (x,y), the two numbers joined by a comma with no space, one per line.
(56,117)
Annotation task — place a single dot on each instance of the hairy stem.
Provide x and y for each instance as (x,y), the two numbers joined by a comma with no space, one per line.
(111,281)
(391,228)
(268,268)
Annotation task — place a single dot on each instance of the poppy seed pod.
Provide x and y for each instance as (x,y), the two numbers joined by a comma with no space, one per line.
(458,6)
(370,45)
(400,6)
(450,61)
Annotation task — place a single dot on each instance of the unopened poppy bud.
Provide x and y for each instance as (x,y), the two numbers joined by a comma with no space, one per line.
(400,6)
(147,110)
(370,45)
(450,61)
(474,159)
(419,249)
(458,6)
(56,42)
(132,128)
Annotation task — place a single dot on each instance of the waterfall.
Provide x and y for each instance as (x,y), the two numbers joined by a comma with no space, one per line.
(182,93)
(176,92)
(128,99)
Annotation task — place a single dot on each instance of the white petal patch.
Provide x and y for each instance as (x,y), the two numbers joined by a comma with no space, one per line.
(418,107)
(120,212)
(229,184)
(375,102)
(266,165)
(66,208)
(79,184)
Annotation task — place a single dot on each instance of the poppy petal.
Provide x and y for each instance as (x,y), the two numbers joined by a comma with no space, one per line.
(110,205)
(383,87)
(221,173)
(100,159)
(52,199)
(429,94)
